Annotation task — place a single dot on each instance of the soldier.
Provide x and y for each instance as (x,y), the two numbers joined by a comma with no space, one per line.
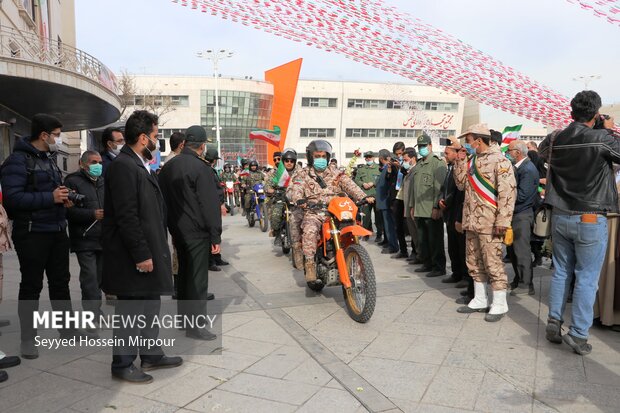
(254,176)
(318,183)
(366,177)
(490,192)
(277,158)
(276,187)
(228,175)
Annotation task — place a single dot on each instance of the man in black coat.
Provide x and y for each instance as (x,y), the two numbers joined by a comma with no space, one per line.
(195,222)
(113,141)
(136,258)
(85,227)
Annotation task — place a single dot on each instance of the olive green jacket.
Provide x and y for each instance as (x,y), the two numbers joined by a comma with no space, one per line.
(428,177)
(367,174)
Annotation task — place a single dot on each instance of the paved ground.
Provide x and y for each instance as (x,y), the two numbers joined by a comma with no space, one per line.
(287,349)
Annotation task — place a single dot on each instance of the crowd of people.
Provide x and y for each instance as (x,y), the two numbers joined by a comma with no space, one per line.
(116,215)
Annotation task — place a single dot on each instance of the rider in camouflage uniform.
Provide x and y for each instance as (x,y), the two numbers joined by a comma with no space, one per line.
(276,192)
(248,181)
(314,184)
(228,175)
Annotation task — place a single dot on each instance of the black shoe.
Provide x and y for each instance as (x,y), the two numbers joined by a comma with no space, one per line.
(519,291)
(9,361)
(537,262)
(29,350)
(163,363)
(467,310)
(379,239)
(464,293)
(210,296)
(399,255)
(214,268)
(462,284)
(423,269)
(451,279)
(579,345)
(384,243)
(132,374)
(3,376)
(553,331)
(200,334)
(415,262)
(463,300)
(221,262)
(4,323)
(388,251)
(436,273)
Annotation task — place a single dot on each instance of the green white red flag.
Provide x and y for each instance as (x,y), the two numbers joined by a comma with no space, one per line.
(269,136)
(282,177)
(511,133)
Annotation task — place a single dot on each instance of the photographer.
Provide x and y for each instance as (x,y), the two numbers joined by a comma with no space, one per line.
(36,201)
(581,197)
(85,227)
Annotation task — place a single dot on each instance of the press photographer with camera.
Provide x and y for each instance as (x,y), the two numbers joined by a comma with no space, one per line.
(85,226)
(37,201)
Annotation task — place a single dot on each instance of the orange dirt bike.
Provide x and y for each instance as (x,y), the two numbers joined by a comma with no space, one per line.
(341,260)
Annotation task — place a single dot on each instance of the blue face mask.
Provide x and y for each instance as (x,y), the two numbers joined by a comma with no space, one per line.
(470,150)
(320,164)
(510,158)
(423,151)
(95,170)
(407,165)
(369,163)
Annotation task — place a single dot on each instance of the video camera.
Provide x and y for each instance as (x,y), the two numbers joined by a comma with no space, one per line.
(77,199)
(599,123)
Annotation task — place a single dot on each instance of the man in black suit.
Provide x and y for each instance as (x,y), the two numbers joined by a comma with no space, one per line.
(113,141)
(136,258)
(195,221)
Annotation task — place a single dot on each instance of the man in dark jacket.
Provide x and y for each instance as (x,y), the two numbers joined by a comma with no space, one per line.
(195,222)
(136,258)
(113,141)
(85,227)
(451,204)
(36,201)
(520,252)
(581,190)
(385,196)
(210,157)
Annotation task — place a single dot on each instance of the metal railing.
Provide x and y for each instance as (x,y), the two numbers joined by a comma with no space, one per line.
(29,47)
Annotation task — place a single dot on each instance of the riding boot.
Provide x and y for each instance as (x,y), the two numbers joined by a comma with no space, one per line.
(310,267)
(298,256)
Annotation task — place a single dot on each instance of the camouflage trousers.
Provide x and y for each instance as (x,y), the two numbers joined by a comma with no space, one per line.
(484,259)
(311,232)
(276,212)
(295,220)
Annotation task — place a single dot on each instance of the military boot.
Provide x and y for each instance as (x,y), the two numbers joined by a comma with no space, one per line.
(310,267)
(298,256)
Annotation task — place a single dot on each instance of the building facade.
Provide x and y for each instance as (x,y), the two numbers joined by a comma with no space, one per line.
(350,115)
(41,71)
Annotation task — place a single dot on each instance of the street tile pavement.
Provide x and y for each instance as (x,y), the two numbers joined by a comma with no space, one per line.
(288,349)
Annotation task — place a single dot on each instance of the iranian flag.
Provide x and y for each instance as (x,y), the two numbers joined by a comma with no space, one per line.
(281,178)
(269,136)
(511,133)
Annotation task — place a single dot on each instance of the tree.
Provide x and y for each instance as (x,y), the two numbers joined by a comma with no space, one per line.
(135,98)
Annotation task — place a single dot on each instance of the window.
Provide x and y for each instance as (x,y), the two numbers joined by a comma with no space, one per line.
(431,106)
(179,101)
(317,133)
(393,104)
(319,102)
(364,133)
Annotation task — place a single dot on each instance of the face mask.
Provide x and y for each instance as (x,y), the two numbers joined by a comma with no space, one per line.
(369,163)
(407,165)
(423,151)
(95,169)
(149,150)
(510,158)
(320,164)
(469,149)
(54,146)
(118,149)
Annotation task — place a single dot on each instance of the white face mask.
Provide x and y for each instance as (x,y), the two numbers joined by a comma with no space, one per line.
(116,151)
(54,146)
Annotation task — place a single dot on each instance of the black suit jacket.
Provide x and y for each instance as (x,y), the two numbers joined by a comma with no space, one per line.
(453,198)
(134,230)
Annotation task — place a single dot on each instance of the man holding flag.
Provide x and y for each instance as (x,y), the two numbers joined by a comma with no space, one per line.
(490,191)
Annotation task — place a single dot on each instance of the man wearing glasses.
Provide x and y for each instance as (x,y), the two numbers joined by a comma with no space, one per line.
(113,141)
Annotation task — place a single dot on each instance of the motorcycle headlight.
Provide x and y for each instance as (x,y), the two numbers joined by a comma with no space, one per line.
(346,215)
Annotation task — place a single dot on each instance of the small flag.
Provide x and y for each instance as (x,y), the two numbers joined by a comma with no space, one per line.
(511,133)
(238,160)
(269,136)
(282,177)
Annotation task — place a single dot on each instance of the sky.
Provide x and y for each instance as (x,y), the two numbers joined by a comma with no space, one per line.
(551,41)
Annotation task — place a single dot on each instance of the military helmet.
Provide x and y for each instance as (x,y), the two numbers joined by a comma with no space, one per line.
(253,162)
(318,145)
(244,161)
(289,153)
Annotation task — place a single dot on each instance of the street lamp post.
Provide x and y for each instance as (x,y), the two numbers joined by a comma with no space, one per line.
(215,57)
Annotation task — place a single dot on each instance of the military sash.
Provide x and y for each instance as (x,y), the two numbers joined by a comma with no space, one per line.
(481,185)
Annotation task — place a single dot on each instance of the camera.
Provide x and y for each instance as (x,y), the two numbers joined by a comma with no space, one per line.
(599,122)
(77,199)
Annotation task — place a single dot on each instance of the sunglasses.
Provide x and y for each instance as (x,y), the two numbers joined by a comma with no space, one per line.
(289,161)
(277,159)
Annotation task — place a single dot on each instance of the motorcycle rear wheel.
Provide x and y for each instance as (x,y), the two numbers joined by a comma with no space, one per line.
(360,299)
(286,238)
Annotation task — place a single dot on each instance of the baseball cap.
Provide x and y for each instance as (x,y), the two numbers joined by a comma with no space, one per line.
(196,133)
(424,139)
(212,153)
(368,154)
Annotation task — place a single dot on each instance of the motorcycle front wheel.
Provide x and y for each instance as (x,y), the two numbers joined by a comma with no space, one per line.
(264,222)
(286,238)
(361,297)
(251,219)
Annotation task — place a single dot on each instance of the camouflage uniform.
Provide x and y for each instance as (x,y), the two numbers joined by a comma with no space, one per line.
(305,187)
(250,180)
(228,177)
(484,250)
(276,209)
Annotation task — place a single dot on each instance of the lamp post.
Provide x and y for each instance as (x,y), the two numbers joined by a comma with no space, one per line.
(215,57)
